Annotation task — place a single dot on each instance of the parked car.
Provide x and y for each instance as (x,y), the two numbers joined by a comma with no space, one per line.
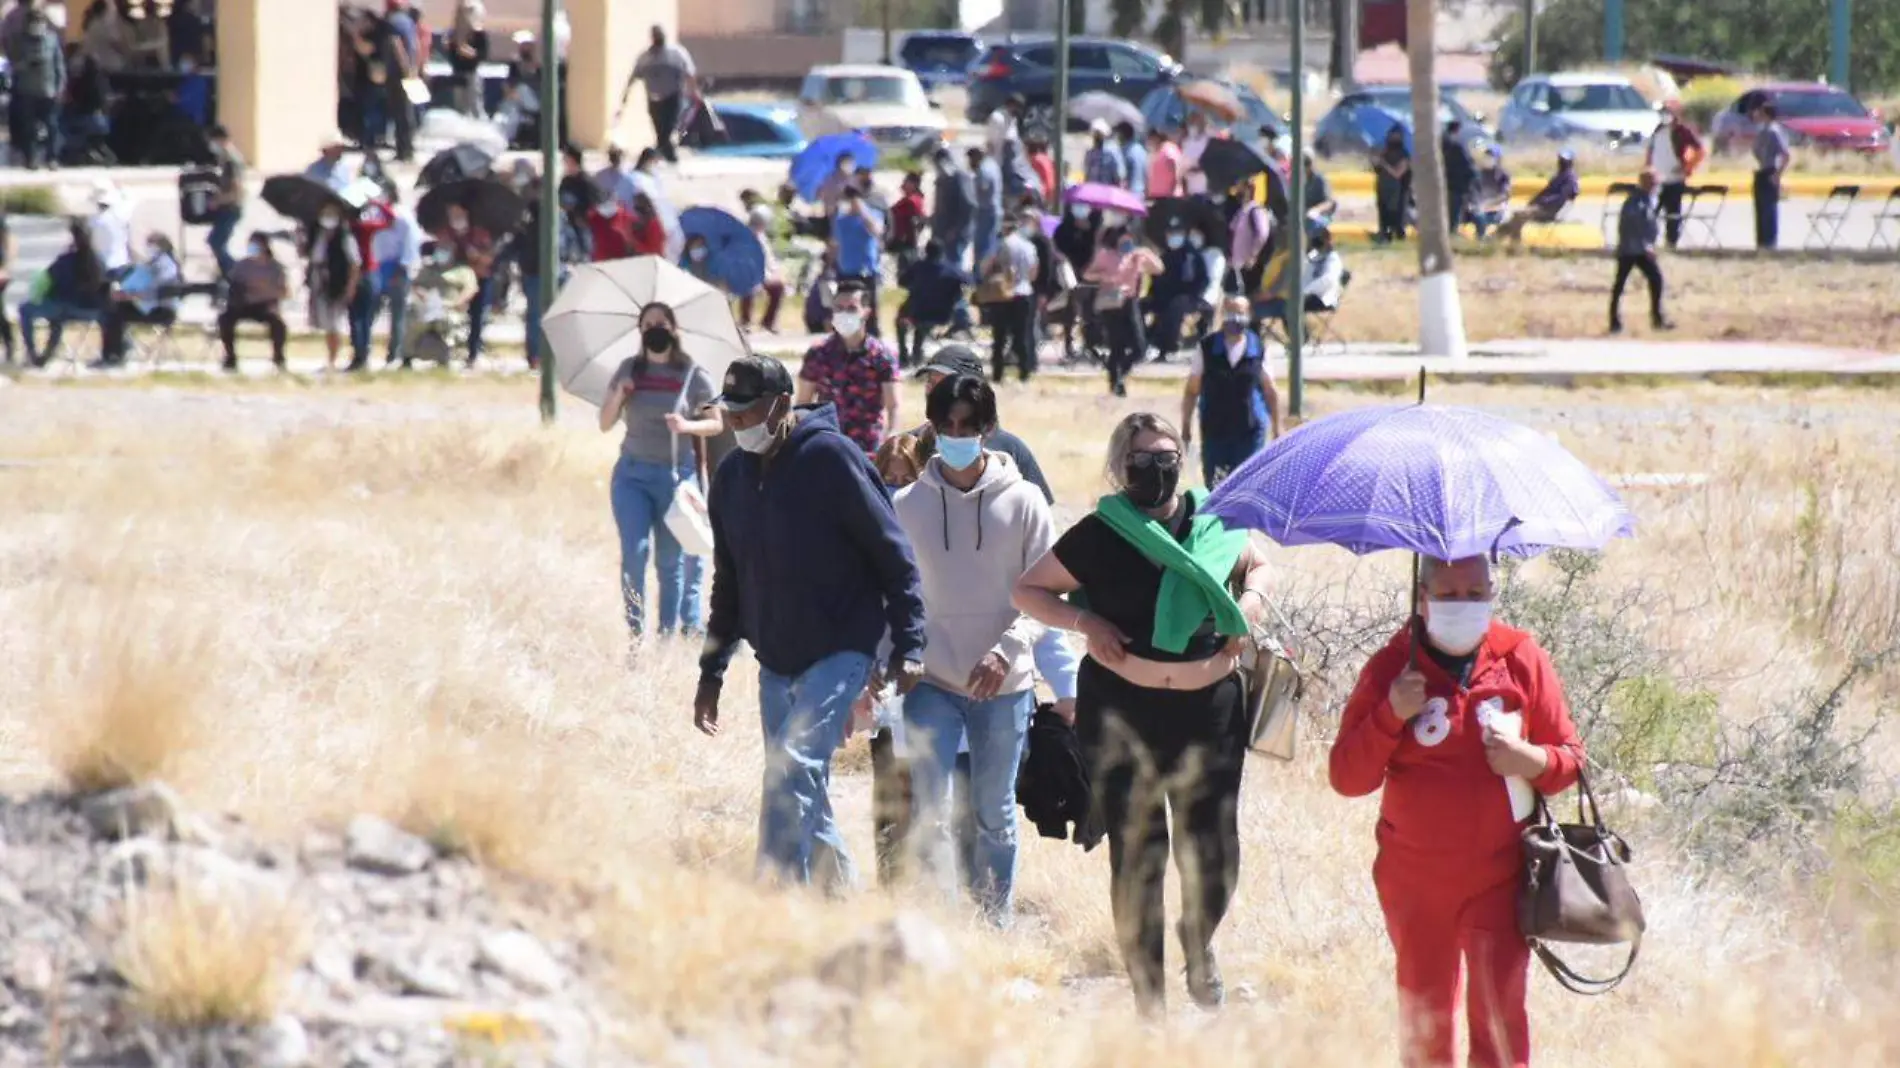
(1164,109)
(1028,66)
(940,57)
(887,104)
(753,131)
(1816,115)
(1344,131)
(1602,108)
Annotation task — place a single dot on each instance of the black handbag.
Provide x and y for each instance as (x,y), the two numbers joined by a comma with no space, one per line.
(1577,889)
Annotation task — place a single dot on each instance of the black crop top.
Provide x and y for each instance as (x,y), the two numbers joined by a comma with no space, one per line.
(1122,586)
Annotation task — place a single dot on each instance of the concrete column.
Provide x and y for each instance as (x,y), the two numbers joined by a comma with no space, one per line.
(608,35)
(277,89)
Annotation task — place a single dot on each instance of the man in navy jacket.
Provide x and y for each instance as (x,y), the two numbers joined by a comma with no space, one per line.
(810,568)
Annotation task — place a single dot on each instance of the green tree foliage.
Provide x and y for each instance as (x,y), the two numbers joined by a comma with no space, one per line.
(1788,38)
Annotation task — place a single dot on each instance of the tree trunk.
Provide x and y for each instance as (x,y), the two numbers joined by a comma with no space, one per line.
(1441,324)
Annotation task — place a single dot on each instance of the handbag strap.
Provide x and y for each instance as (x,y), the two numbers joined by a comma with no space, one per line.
(1577,983)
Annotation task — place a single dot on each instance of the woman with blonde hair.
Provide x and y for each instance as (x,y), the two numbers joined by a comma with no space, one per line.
(1159,708)
(652,394)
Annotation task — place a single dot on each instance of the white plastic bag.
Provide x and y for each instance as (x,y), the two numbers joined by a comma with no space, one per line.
(688,522)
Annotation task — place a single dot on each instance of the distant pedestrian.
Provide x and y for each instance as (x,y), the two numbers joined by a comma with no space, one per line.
(1194,142)
(1012,320)
(1134,159)
(812,570)
(1164,166)
(227,204)
(858,233)
(989,206)
(1392,185)
(468,50)
(671,79)
(953,216)
(1103,164)
(1771,162)
(1121,266)
(1674,152)
(334,265)
(1232,389)
(38,68)
(1460,172)
(1637,233)
(396,250)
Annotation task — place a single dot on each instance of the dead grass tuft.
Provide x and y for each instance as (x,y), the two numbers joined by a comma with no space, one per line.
(197,956)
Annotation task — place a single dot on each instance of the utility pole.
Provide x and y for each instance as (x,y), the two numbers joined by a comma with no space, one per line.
(549,235)
(884,14)
(1529,66)
(1613,30)
(1838,69)
(1441,318)
(1058,135)
(1296,226)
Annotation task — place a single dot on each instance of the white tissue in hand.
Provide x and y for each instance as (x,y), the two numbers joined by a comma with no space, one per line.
(1491,714)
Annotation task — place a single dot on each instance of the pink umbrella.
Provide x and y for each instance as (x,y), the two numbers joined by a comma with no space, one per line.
(1106,198)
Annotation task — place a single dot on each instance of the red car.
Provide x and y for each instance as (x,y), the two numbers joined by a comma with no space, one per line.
(1816,116)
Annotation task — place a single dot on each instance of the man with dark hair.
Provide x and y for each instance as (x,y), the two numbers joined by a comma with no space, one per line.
(858,234)
(670,76)
(934,288)
(1460,173)
(227,205)
(854,371)
(975,525)
(1637,231)
(812,570)
(1771,162)
(953,216)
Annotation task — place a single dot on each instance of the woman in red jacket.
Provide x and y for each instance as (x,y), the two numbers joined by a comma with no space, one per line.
(1458,731)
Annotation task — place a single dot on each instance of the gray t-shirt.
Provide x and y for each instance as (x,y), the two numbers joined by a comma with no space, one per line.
(1020,255)
(657,391)
(665,70)
(1770,145)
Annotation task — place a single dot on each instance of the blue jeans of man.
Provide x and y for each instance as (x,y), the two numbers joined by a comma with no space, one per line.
(224,223)
(395,294)
(369,298)
(531,289)
(57,314)
(1220,454)
(935,722)
(1486,220)
(804,720)
(478,318)
(641,493)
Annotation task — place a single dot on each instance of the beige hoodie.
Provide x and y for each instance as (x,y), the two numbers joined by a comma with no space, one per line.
(971,547)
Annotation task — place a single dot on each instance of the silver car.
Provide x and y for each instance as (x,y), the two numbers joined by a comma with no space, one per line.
(1581,109)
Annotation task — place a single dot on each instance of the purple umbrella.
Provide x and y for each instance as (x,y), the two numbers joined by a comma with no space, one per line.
(1445,482)
(1106,198)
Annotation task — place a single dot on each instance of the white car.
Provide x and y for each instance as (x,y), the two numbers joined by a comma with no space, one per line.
(1606,109)
(887,103)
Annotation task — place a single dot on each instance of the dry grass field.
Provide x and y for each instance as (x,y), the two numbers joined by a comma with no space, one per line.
(297,604)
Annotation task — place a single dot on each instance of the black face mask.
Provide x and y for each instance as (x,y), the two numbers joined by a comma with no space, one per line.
(657,339)
(1150,485)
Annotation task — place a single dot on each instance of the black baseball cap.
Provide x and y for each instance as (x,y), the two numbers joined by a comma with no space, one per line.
(751,380)
(952,360)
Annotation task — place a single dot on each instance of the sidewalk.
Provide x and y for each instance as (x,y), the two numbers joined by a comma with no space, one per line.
(1358,181)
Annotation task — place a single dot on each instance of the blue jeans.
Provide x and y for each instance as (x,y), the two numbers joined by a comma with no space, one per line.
(1220,455)
(57,314)
(478,317)
(395,283)
(1485,221)
(642,492)
(224,223)
(369,298)
(804,721)
(935,722)
(531,289)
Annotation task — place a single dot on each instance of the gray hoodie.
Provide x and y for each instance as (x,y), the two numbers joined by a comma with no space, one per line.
(971,547)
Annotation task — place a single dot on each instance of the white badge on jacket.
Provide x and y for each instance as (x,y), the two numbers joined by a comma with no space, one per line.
(1433,725)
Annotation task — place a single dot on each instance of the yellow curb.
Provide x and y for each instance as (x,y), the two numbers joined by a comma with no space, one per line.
(1568,237)
(1873,187)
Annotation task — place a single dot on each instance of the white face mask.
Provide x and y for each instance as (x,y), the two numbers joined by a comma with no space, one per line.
(1196,240)
(327,223)
(1457,627)
(697,253)
(848,324)
(755,439)
(459,225)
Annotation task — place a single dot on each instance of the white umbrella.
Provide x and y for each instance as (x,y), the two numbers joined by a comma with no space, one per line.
(594,324)
(1106,107)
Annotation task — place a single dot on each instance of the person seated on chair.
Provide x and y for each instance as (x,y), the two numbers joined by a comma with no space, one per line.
(72,290)
(147,294)
(259,285)
(1177,292)
(934,288)
(1321,204)
(438,306)
(1491,192)
(1550,201)
(1324,282)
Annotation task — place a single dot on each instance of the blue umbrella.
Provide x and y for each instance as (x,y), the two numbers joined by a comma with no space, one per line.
(737,257)
(820,159)
(1444,482)
(1373,124)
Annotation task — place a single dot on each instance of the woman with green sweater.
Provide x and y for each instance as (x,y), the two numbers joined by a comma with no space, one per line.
(1159,709)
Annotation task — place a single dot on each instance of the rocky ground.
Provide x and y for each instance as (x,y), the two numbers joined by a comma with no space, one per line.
(401,956)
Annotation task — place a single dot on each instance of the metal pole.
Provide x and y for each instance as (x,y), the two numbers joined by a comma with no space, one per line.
(1838,68)
(1530,39)
(1613,31)
(548,238)
(1061,121)
(1296,223)
(885,15)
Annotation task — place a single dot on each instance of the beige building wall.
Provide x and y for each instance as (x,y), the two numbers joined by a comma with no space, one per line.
(716,18)
(277,89)
(607,37)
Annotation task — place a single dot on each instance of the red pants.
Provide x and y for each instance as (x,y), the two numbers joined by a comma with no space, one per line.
(1442,925)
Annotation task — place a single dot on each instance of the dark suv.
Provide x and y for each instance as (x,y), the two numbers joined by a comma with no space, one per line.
(940,57)
(1095,65)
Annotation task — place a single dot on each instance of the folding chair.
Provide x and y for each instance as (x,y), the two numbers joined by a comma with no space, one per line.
(1826,222)
(1322,333)
(1889,216)
(1701,212)
(1612,210)
(159,343)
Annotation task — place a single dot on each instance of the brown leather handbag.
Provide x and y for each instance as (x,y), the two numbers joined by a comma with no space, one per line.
(1577,889)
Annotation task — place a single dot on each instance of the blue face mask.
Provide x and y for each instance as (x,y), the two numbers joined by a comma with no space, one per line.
(1176,240)
(1080,211)
(959,453)
(1127,246)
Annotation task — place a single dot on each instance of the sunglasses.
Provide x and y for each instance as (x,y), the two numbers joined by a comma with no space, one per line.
(1165,459)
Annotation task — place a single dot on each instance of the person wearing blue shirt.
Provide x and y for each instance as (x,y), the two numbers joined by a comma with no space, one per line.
(989,206)
(147,294)
(1135,157)
(859,234)
(1231,387)
(397,250)
(330,168)
(934,289)
(811,569)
